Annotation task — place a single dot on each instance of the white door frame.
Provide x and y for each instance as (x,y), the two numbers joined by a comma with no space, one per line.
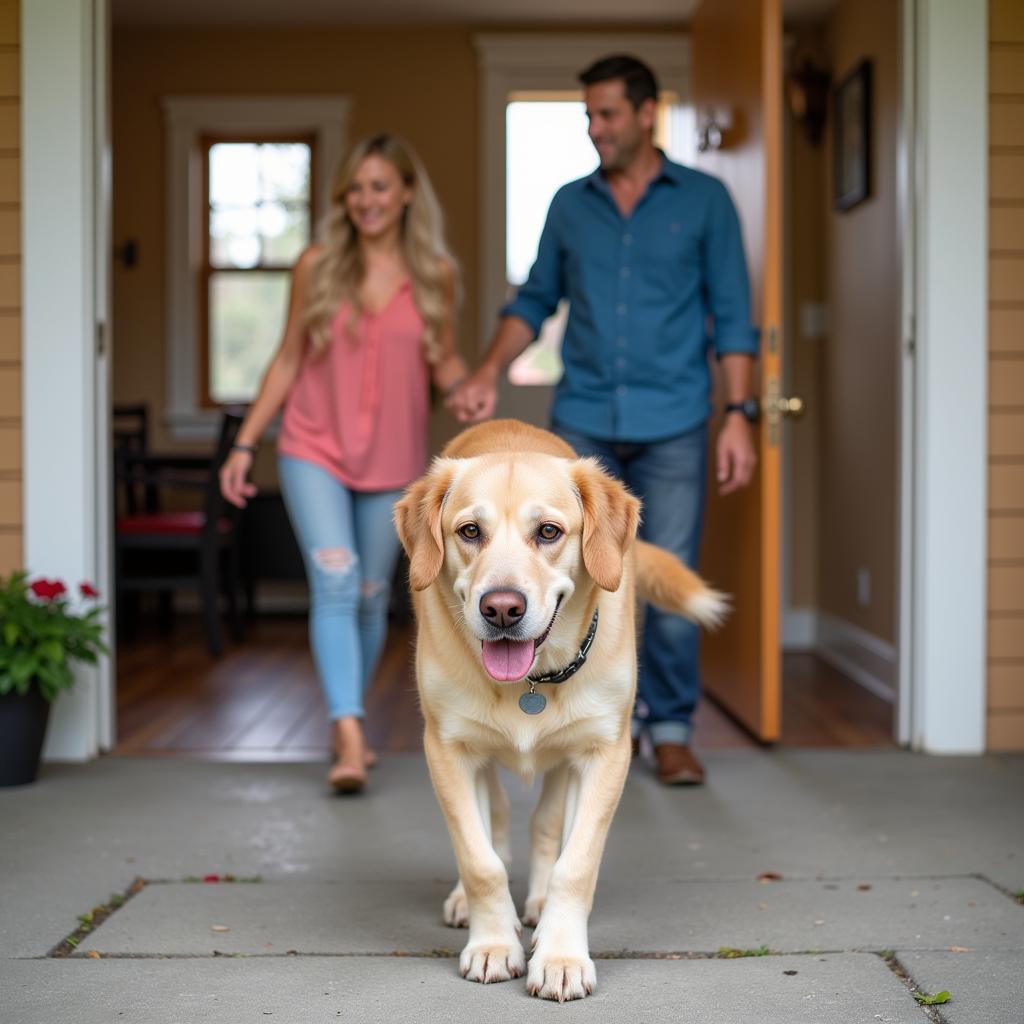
(67,524)
(947,47)
(65,249)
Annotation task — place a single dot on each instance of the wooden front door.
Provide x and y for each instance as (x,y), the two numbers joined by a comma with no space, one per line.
(737,83)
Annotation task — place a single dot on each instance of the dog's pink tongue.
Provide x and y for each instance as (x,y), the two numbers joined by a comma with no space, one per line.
(506,660)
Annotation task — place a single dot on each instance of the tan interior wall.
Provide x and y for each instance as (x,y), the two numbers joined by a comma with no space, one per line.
(806,282)
(10,288)
(1006,377)
(859,361)
(418,82)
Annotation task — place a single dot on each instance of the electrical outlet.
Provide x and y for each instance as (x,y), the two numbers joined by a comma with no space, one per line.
(863,587)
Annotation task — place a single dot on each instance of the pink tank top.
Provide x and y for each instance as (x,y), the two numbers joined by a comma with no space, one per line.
(361,409)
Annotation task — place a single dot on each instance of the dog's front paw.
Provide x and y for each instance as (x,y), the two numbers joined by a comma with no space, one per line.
(456,908)
(487,962)
(561,977)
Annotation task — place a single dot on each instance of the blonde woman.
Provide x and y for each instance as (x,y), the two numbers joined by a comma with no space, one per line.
(370,324)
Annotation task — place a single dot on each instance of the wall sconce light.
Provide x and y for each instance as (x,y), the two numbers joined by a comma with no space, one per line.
(807,91)
(712,125)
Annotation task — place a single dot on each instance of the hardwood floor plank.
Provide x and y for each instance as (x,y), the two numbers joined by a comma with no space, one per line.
(262,701)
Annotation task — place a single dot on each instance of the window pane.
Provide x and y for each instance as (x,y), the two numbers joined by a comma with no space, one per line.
(247,317)
(234,237)
(284,231)
(546,146)
(284,170)
(234,174)
(558,129)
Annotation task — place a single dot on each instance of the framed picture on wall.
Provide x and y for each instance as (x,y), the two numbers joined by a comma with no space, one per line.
(851,138)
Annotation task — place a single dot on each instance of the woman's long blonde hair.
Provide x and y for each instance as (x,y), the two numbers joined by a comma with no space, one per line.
(339,270)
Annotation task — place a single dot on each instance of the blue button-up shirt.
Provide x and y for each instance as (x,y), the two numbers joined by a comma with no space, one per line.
(642,290)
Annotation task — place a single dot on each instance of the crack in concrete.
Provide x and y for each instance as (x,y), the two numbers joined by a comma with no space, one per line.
(892,962)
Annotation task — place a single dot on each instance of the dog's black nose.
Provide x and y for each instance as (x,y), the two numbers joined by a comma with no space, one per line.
(503,608)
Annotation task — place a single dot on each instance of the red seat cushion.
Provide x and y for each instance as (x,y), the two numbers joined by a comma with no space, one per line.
(168,522)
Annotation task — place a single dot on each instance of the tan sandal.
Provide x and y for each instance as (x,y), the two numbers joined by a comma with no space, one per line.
(346,781)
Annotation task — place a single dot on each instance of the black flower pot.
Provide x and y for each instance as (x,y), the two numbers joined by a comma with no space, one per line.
(22,729)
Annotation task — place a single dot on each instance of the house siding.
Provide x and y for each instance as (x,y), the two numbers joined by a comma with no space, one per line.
(1005,692)
(10,289)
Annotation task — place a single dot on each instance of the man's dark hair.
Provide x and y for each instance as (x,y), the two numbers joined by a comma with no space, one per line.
(637,78)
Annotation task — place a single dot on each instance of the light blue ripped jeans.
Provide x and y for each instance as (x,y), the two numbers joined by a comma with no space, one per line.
(350,547)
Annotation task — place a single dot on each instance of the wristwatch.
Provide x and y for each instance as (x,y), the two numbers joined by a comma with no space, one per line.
(748,408)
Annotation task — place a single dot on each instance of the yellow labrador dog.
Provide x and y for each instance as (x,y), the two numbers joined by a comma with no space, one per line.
(524,566)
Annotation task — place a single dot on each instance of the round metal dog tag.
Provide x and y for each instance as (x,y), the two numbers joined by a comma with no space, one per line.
(533,703)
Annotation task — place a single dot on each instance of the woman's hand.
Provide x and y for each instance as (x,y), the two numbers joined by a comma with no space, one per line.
(475,398)
(233,484)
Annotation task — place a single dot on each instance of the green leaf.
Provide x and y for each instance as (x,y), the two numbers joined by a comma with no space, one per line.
(23,668)
(11,633)
(52,650)
(936,1000)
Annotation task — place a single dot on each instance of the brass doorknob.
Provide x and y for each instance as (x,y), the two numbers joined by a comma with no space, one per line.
(793,407)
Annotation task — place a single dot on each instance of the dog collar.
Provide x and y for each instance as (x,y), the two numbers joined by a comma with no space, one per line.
(533,703)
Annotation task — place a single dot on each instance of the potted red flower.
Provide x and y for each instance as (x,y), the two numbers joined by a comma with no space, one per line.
(42,631)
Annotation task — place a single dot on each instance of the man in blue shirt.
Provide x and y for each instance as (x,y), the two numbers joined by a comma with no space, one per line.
(648,252)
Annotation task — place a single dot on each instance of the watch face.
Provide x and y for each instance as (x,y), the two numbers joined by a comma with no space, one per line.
(748,408)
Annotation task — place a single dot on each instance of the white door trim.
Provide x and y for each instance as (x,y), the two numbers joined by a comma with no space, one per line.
(950,485)
(59,315)
(906,157)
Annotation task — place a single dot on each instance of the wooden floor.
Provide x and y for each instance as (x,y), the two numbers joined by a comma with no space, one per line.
(261,701)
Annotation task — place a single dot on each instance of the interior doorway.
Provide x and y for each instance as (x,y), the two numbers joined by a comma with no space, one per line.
(210,720)
(844,299)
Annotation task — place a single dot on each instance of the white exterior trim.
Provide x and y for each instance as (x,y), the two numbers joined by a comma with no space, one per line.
(521,62)
(905,198)
(60,232)
(950,485)
(187,118)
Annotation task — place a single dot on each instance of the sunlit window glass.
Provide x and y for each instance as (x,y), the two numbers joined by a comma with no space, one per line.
(258,222)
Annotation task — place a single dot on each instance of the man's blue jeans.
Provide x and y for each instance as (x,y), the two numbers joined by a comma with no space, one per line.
(669,477)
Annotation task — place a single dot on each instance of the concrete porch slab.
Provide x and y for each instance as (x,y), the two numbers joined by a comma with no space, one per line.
(639,917)
(985,986)
(840,989)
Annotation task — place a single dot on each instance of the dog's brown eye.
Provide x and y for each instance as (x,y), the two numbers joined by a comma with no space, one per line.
(549,532)
(469,532)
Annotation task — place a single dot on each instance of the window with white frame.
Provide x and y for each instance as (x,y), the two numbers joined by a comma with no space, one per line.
(247,180)
(257,219)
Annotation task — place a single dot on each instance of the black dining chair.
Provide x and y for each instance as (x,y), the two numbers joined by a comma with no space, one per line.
(163,547)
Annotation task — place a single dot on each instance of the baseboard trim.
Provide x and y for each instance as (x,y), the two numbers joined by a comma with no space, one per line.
(862,656)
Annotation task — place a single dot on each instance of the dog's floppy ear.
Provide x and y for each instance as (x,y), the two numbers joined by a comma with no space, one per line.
(610,519)
(418,521)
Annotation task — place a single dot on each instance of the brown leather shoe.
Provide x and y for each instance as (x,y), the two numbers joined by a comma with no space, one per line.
(677,766)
